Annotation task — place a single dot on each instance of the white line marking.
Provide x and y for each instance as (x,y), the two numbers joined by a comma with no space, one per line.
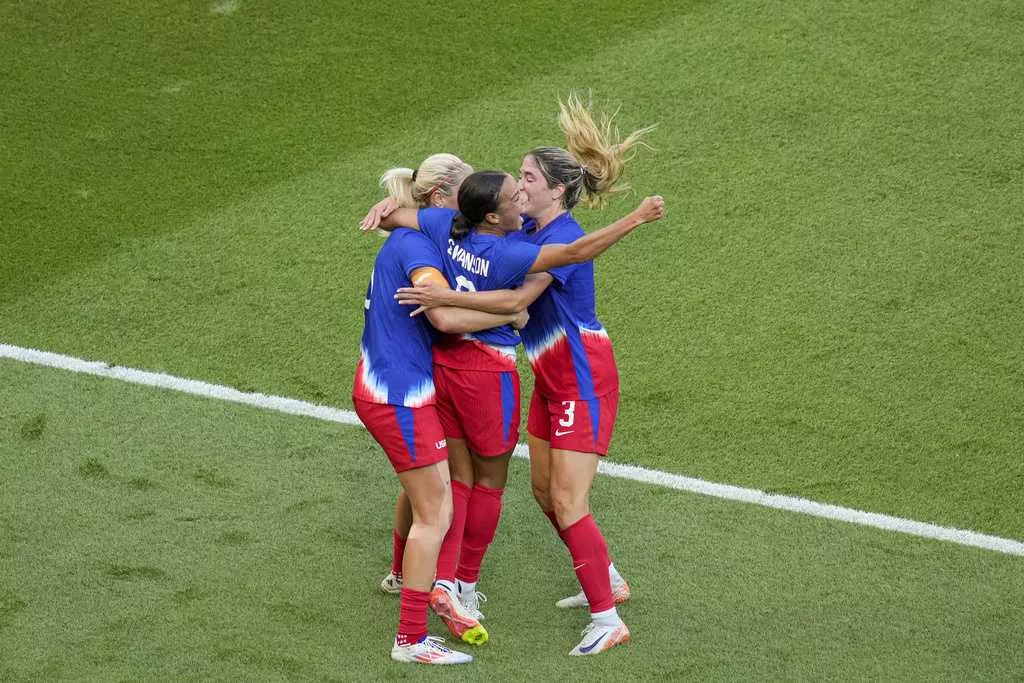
(188,386)
(674,481)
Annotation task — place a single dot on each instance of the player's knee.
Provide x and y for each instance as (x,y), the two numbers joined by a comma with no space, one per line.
(492,481)
(493,475)
(435,518)
(567,503)
(461,472)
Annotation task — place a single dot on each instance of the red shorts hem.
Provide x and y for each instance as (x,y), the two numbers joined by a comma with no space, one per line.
(410,437)
(584,425)
(480,407)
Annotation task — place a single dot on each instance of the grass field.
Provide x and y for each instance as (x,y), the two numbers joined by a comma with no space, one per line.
(831,309)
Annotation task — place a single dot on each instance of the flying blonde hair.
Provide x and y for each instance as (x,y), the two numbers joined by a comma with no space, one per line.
(594,157)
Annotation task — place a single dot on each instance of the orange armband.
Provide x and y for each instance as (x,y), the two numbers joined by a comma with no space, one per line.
(428,275)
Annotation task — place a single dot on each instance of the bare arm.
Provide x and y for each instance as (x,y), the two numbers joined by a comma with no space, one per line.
(452,320)
(596,243)
(498,301)
(387,215)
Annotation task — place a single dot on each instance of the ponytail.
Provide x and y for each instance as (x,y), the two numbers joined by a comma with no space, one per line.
(398,182)
(438,174)
(460,227)
(594,157)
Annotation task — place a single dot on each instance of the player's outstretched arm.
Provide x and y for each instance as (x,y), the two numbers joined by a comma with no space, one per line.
(499,301)
(596,243)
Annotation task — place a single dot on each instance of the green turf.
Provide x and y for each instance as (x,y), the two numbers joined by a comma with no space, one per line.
(152,535)
(831,308)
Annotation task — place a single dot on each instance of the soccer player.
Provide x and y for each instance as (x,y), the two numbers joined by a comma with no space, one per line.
(575,399)
(394,396)
(435,183)
(478,388)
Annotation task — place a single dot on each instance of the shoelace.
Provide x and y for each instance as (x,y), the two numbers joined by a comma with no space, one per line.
(471,601)
(435,643)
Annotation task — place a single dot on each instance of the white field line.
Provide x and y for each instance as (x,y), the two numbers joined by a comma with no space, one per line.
(675,481)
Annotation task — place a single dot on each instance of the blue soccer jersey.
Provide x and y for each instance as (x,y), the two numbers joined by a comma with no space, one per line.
(569,350)
(478,262)
(395,365)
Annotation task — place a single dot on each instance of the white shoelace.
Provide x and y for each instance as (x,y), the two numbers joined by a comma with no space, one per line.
(434,642)
(471,601)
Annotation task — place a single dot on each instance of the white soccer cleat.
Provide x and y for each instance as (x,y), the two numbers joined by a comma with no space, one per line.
(599,638)
(620,592)
(428,651)
(471,601)
(391,584)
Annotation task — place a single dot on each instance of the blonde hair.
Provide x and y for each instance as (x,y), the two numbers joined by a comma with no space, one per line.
(438,174)
(594,158)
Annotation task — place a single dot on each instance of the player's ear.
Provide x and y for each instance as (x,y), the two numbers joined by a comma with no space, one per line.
(557,192)
(492,218)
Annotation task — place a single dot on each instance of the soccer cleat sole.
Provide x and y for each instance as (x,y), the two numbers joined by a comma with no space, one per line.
(475,636)
(435,656)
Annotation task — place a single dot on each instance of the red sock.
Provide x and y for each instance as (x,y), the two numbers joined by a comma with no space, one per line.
(590,560)
(452,544)
(412,616)
(397,554)
(482,517)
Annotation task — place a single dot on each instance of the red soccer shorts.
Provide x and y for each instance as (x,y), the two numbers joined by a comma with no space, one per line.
(411,437)
(581,425)
(480,407)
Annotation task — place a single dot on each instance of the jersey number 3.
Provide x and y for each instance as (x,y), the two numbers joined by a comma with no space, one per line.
(570,414)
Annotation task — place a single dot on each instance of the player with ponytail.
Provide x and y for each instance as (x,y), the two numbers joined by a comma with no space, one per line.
(435,183)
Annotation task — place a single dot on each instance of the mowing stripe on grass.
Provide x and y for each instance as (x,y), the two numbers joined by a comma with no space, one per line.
(675,481)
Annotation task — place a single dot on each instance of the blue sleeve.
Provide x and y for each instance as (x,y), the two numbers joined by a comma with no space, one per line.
(563,273)
(415,250)
(437,225)
(515,262)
